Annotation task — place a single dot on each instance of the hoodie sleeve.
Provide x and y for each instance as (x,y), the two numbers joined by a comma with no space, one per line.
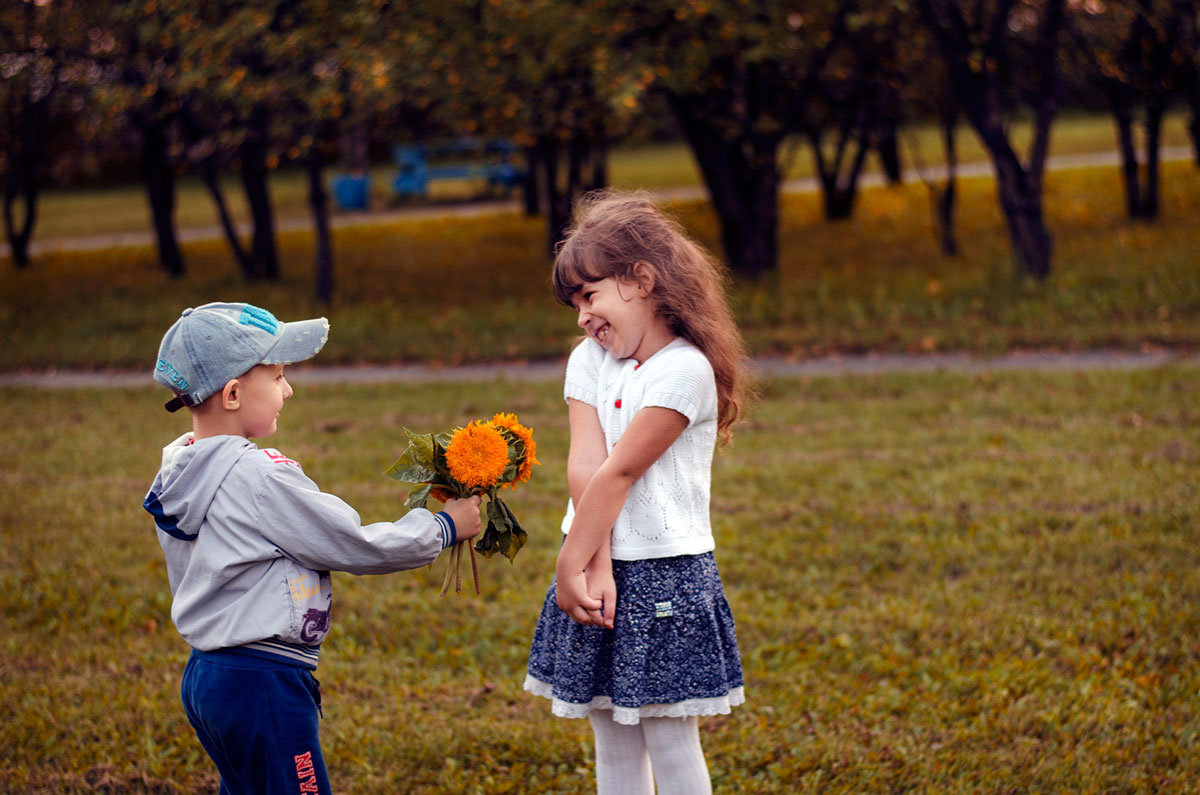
(322,532)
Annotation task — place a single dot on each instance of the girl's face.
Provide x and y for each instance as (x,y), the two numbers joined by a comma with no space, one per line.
(620,316)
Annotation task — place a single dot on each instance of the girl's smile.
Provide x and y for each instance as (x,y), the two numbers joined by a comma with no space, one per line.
(620,316)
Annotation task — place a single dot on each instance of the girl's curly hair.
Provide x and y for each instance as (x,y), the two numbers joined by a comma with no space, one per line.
(611,232)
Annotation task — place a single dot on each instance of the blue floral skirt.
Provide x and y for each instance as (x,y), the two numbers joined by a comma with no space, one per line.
(672,651)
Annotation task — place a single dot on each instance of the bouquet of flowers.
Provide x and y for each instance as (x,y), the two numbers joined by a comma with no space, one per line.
(481,458)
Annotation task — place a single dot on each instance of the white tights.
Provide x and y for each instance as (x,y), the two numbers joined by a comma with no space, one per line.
(630,760)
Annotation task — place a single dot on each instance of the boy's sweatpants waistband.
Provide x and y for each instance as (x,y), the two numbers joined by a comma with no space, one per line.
(264,654)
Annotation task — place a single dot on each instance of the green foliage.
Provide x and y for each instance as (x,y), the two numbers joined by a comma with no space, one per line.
(451,290)
(942,583)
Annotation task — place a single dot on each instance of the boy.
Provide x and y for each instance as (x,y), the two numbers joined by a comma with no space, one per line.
(249,542)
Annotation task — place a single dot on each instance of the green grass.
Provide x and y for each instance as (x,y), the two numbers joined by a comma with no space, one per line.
(942,583)
(85,212)
(449,290)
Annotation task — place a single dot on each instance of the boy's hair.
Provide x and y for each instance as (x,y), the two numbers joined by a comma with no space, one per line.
(612,231)
(210,345)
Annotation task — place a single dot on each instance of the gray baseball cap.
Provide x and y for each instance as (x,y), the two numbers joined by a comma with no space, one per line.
(210,345)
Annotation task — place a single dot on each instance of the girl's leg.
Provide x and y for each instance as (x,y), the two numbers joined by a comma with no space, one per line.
(676,755)
(622,764)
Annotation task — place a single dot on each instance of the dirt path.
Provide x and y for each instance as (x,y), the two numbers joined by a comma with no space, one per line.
(858,364)
(474,209)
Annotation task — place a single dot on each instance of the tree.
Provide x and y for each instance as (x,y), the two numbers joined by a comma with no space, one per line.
(1130,52)
(857,100)
(223,52)
(142,90)
(993,51)
(736,80)
(1187,59)
(45,69)
(537,72)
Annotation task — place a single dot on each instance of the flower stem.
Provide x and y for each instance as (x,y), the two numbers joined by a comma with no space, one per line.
(449,571)
(458,566)
(474,569)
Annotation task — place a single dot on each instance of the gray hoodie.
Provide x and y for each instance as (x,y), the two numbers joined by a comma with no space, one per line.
(250,540)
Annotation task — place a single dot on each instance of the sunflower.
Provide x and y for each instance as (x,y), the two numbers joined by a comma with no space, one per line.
(477,455)
(525,434)
(441,494)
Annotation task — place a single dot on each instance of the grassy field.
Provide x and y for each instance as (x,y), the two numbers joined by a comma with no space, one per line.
(83,212)
(945,582)
(451,290)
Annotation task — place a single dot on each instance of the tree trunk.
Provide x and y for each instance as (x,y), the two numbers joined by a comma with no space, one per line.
(839,191)
(888,147)
(577,153)
(20,185)
(21,180)
(160,191)
(263,251)
(1021,200)
(1141,178)
(599,162)
(529,183)
(1194,122)
(1155,108)
(742,177)
(318,199)
(1125,143)
(558,202)
(211,179)
(944,197)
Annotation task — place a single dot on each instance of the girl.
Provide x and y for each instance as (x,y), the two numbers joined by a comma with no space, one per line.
(635,632)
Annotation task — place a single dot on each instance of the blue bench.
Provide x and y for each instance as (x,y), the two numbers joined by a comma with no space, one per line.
(418,165)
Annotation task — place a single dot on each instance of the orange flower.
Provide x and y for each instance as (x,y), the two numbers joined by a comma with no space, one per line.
(525,434)
(441,494)
(477,455)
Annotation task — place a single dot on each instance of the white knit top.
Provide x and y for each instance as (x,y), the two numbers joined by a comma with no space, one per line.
(666,513)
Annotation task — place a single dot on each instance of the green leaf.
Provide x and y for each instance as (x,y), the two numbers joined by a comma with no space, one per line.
(497,514)
(518,536)
(422,446)
(488,542)
(418,497)
(416,463)
(407,470)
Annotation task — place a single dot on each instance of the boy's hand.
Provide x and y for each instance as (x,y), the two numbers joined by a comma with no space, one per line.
(465,513)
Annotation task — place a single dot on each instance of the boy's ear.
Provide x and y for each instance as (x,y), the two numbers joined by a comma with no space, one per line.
(230,398)
(644,274)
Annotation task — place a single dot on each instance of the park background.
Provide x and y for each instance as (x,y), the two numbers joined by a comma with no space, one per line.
(964,578)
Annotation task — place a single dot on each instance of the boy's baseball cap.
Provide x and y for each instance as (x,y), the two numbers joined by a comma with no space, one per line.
(210,345)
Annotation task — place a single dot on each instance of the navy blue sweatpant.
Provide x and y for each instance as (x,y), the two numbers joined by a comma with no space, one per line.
(257,719)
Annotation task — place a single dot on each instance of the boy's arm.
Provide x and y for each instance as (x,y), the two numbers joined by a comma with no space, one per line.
(324,533)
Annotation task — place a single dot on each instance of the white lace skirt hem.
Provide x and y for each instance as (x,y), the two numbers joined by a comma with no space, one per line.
(721,705)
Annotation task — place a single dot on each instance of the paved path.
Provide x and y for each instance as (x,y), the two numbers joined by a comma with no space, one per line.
(475,209)
(857,364)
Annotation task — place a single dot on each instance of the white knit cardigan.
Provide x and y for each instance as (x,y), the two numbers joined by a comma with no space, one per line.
(667,511)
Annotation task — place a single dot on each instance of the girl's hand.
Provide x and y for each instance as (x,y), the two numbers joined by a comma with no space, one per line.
(573,597)
(602,586)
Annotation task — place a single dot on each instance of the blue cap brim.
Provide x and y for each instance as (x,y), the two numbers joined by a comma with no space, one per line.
(299,341)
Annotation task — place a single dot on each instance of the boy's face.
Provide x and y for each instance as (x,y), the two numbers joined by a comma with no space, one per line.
(262,393)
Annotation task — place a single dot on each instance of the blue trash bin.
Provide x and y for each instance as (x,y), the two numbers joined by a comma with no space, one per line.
(351,191)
